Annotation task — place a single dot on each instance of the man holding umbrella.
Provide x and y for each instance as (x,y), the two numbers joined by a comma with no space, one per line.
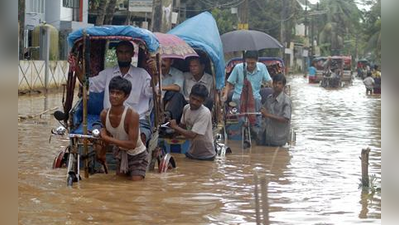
(256,73)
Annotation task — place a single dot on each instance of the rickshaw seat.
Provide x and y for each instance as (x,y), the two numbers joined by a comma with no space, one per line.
(94,108)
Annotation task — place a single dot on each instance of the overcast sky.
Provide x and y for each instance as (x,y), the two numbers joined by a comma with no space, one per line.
(361,7)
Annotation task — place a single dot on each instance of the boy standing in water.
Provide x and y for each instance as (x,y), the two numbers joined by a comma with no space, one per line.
(277,114)
(196,124)
(369,83)
(121,129)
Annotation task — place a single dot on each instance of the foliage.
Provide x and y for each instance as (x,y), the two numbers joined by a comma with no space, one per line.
(264,16)
(340,22)
(225,20)
(372,31)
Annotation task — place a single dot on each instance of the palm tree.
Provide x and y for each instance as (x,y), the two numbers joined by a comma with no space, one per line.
(102,5)
(341,19)
(109,13)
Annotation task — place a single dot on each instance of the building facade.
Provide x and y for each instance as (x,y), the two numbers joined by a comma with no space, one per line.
(65,15)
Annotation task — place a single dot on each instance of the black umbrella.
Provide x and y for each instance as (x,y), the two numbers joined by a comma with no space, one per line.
(243,40)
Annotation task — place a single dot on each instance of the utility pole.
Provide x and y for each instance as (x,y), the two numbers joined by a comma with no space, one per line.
(283,15)
(243,16)
(306,19)
(161,15)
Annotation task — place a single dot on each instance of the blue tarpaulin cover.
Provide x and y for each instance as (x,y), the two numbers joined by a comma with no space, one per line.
(147,36)
(201,32)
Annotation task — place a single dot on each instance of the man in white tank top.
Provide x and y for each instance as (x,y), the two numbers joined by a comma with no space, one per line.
(121,129)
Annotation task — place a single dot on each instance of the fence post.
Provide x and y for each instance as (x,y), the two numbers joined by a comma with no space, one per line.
(365,166)
(265,200)
(257,205)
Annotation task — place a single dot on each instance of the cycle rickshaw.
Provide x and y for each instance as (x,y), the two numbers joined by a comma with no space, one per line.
(80,118)
(209,48)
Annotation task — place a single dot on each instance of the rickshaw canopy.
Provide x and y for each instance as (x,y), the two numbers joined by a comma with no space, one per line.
(192,31)
(147,36)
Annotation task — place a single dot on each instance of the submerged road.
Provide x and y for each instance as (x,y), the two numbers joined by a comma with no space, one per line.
(316,181)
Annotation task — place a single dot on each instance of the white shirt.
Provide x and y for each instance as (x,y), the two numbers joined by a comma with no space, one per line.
(369,82)
(190,81)
(140,95)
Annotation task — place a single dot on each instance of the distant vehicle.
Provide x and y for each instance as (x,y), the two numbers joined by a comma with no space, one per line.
(345,70)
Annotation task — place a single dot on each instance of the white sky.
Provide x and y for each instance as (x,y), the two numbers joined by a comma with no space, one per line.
(361,7)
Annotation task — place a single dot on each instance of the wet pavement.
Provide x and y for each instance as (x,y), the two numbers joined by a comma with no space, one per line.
(316,181)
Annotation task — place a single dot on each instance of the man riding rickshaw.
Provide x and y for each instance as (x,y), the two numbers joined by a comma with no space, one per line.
(93,52)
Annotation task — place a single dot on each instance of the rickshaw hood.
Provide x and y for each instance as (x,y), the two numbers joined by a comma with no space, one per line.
(129,31)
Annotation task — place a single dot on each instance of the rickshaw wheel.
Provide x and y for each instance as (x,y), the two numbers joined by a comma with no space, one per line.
(72,177)
(247,144)
(70,180)
(167,162)
(60,159)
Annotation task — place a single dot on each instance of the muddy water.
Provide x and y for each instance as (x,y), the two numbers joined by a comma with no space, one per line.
(314,182)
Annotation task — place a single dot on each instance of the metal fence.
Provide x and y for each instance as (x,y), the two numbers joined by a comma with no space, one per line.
(31,74)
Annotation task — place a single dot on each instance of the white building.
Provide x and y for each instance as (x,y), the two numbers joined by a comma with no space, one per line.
(65,15)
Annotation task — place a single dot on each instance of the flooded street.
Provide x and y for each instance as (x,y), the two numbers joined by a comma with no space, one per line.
(314,182)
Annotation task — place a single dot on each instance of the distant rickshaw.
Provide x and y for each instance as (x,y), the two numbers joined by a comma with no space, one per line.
(337,74)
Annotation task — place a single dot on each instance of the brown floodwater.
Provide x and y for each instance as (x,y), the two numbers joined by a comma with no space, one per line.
(315,181)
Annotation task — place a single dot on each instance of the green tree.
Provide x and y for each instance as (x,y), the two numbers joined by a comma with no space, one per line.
(340,22)
(109,12)
(102,5)
(225,20)
(372,30)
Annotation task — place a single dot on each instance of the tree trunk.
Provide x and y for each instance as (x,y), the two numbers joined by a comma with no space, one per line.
(161,16)
(128,18)
(21,21)
(109,14)
(101,12)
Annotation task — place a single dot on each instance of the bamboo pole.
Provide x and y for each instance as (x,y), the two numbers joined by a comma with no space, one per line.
(85,92)
(265,200)
(257,207)
(21,117)
(365,166)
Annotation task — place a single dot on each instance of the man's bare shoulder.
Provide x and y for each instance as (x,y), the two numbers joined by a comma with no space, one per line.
(131,113)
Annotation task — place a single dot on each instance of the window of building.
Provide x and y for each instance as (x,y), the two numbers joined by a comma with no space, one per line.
(36,6)
(74,4)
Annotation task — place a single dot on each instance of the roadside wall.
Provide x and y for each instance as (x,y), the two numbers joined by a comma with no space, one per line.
(31,74)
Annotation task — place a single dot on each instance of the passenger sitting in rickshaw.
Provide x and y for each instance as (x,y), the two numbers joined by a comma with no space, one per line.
(197,75)
(332,72)
(141,93)
(172,88)
(257,73)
